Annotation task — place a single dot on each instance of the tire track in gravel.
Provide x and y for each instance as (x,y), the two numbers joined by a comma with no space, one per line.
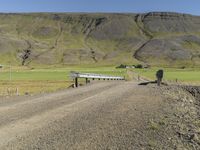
(113,122)
(22,127)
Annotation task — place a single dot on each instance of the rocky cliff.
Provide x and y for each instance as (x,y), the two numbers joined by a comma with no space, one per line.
(156,38)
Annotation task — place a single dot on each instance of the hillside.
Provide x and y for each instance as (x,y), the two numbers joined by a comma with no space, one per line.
(153,38)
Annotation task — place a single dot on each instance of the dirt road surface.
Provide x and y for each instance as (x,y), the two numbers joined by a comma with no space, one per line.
(104,115)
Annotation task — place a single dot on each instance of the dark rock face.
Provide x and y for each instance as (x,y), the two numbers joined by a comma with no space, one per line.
(171,22)
(171,49)
(115,28)
(164,49)
(82,23)
(190,38)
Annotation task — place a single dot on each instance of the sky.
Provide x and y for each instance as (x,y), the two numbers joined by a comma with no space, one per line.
(121,6)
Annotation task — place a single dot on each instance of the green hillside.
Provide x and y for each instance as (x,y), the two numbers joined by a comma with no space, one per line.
(158,39)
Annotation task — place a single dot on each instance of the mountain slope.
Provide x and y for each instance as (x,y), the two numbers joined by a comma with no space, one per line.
(153,38)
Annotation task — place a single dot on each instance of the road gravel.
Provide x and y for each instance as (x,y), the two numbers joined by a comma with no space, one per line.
(102,115)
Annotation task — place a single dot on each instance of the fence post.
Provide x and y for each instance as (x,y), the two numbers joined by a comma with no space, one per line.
(76,82)
(86,80)
(17,91)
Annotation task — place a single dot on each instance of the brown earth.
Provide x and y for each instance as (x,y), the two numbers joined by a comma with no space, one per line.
(103,115)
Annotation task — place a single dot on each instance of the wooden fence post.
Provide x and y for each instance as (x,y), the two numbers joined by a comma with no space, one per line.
(76,82)
(86,80)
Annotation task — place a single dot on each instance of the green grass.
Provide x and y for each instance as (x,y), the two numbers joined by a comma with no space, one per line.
(56,74)
(43,80)
(170,74)
(46,80)
(34,75)
(63,73)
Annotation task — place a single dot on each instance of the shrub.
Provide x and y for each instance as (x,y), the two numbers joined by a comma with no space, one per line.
(121,66)
(139,66)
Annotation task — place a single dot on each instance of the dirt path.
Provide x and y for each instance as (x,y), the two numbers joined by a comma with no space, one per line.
(112,115)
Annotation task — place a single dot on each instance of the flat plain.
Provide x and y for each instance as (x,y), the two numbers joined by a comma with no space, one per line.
(45,80)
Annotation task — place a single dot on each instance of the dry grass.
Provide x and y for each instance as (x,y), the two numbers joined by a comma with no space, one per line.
(31,87)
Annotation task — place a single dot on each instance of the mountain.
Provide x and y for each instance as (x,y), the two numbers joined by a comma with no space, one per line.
(155,38)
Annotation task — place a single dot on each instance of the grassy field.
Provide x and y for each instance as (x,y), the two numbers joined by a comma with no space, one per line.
(31,81)
(190,76)
(24,80)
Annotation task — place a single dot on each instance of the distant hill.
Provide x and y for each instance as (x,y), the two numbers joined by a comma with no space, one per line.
(156,38)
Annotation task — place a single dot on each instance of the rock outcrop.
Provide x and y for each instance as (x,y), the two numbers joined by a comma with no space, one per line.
(156,38)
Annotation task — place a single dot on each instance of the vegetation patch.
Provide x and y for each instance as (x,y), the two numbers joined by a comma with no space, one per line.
(22,80)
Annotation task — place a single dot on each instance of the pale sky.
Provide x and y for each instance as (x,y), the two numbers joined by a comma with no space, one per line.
(135,6)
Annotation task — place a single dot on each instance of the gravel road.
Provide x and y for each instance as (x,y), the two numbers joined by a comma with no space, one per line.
(103,115)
